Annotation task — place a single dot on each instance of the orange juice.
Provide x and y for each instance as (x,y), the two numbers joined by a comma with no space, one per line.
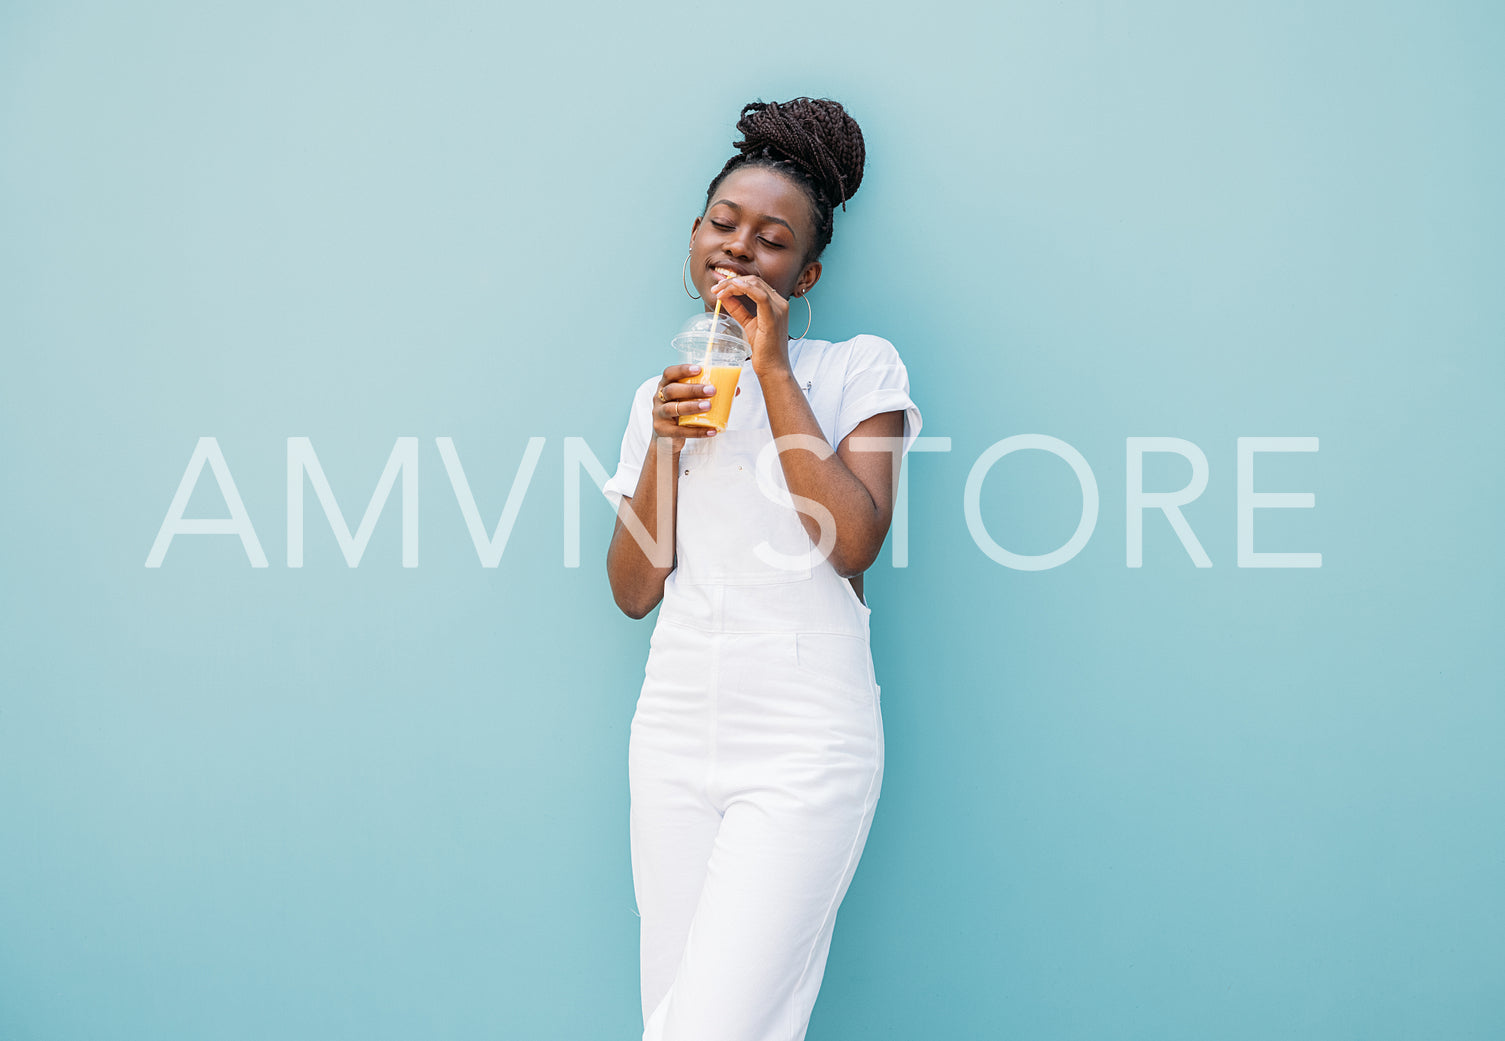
(724,378)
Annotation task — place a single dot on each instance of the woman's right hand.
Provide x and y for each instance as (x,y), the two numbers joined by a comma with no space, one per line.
(675,399)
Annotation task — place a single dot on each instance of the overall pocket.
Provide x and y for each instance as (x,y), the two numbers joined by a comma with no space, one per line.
(837,662)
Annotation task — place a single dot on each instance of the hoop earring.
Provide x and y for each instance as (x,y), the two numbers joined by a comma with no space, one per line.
(809,314)
(683,270)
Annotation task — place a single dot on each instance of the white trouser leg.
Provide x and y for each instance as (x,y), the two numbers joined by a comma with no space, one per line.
(673,828)
(756,762)
(756,951)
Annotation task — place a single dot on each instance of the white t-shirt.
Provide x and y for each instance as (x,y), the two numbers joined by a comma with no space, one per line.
(739,542)
(845,382)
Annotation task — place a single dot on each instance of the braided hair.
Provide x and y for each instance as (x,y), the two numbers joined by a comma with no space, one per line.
(813,142)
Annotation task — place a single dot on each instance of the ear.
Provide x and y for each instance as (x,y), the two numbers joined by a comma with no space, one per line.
(694,227)
(808,278)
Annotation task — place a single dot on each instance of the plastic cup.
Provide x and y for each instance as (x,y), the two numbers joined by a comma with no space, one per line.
(716,344)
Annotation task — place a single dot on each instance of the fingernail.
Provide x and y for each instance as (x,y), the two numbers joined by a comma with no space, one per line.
(694,369)
(705,405)
(709,388)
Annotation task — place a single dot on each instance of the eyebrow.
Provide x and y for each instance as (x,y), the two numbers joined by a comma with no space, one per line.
(761,216)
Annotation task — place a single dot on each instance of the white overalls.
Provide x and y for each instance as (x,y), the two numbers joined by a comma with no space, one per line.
(756,751)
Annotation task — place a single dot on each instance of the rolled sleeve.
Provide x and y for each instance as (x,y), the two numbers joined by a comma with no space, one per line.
(876,382)
(635,441)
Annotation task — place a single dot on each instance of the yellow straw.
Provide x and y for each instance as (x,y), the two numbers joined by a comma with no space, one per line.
(705,364)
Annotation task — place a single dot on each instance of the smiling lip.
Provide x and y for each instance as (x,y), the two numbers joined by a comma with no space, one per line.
(725,271)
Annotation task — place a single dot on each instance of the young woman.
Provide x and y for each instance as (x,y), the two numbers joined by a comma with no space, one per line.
(756,751)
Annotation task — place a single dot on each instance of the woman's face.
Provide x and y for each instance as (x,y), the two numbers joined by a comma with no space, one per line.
(758,223)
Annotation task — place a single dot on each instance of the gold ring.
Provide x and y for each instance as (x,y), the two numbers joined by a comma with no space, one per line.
(662,400)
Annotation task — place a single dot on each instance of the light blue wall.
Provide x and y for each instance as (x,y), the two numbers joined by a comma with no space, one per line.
(1166,803)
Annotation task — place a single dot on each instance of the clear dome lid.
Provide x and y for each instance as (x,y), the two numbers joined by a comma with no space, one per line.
(720,334)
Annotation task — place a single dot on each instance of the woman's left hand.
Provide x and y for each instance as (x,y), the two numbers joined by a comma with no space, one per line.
(767,329)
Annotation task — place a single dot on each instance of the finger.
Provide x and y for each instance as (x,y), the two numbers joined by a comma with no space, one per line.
(674,409)
(668,426)
(674,391)
(735,307)
(678,391)
(675,373)
(746,285)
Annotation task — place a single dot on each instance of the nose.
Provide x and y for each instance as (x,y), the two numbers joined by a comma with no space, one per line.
(738,244)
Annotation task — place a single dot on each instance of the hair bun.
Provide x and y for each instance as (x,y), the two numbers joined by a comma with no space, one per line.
(816,134)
